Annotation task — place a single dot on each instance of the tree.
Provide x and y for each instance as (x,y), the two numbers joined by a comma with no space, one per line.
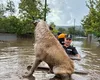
(89,19)
(2,10)
(32,9)
(55,31)
(62,30)
(71,30)
(10,7)
(91,22)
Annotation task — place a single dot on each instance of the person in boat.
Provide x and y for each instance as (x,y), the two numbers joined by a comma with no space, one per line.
(70,50)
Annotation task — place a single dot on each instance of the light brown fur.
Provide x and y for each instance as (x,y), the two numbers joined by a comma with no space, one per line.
(47,48)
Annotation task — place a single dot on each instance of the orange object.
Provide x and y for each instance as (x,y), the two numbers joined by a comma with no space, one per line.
(62,35)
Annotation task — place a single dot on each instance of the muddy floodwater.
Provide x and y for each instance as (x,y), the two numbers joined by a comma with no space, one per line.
(16,54)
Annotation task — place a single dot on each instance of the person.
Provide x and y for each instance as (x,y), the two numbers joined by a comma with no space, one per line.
(70,50)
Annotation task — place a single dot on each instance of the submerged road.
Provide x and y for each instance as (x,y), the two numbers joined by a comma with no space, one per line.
(17,54)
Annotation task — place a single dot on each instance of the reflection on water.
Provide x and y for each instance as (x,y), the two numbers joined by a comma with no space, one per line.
(15,55)
(7,37)
(91,60)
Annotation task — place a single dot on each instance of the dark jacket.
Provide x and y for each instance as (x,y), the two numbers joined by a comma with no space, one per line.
(70,50)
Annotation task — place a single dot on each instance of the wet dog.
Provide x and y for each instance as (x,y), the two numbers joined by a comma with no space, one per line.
(48,49)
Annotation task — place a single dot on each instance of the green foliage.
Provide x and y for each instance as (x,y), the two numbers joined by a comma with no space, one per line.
(22,25)
(74,31)
(32,8)
(2,10)
(55,31)
(62,30)
(71,30)
(25,27)
(12,24)
(8,24)
(10,7)
(91,22)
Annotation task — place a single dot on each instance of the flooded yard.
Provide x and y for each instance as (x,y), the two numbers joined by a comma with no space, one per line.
(17,54)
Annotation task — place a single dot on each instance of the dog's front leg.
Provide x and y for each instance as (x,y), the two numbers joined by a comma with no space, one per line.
(33,68)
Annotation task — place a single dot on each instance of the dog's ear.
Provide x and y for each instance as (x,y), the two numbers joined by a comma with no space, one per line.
(36,22)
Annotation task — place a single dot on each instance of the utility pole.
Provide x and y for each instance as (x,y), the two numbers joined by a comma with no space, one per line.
(74,23)
(74,26)
(45,11)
